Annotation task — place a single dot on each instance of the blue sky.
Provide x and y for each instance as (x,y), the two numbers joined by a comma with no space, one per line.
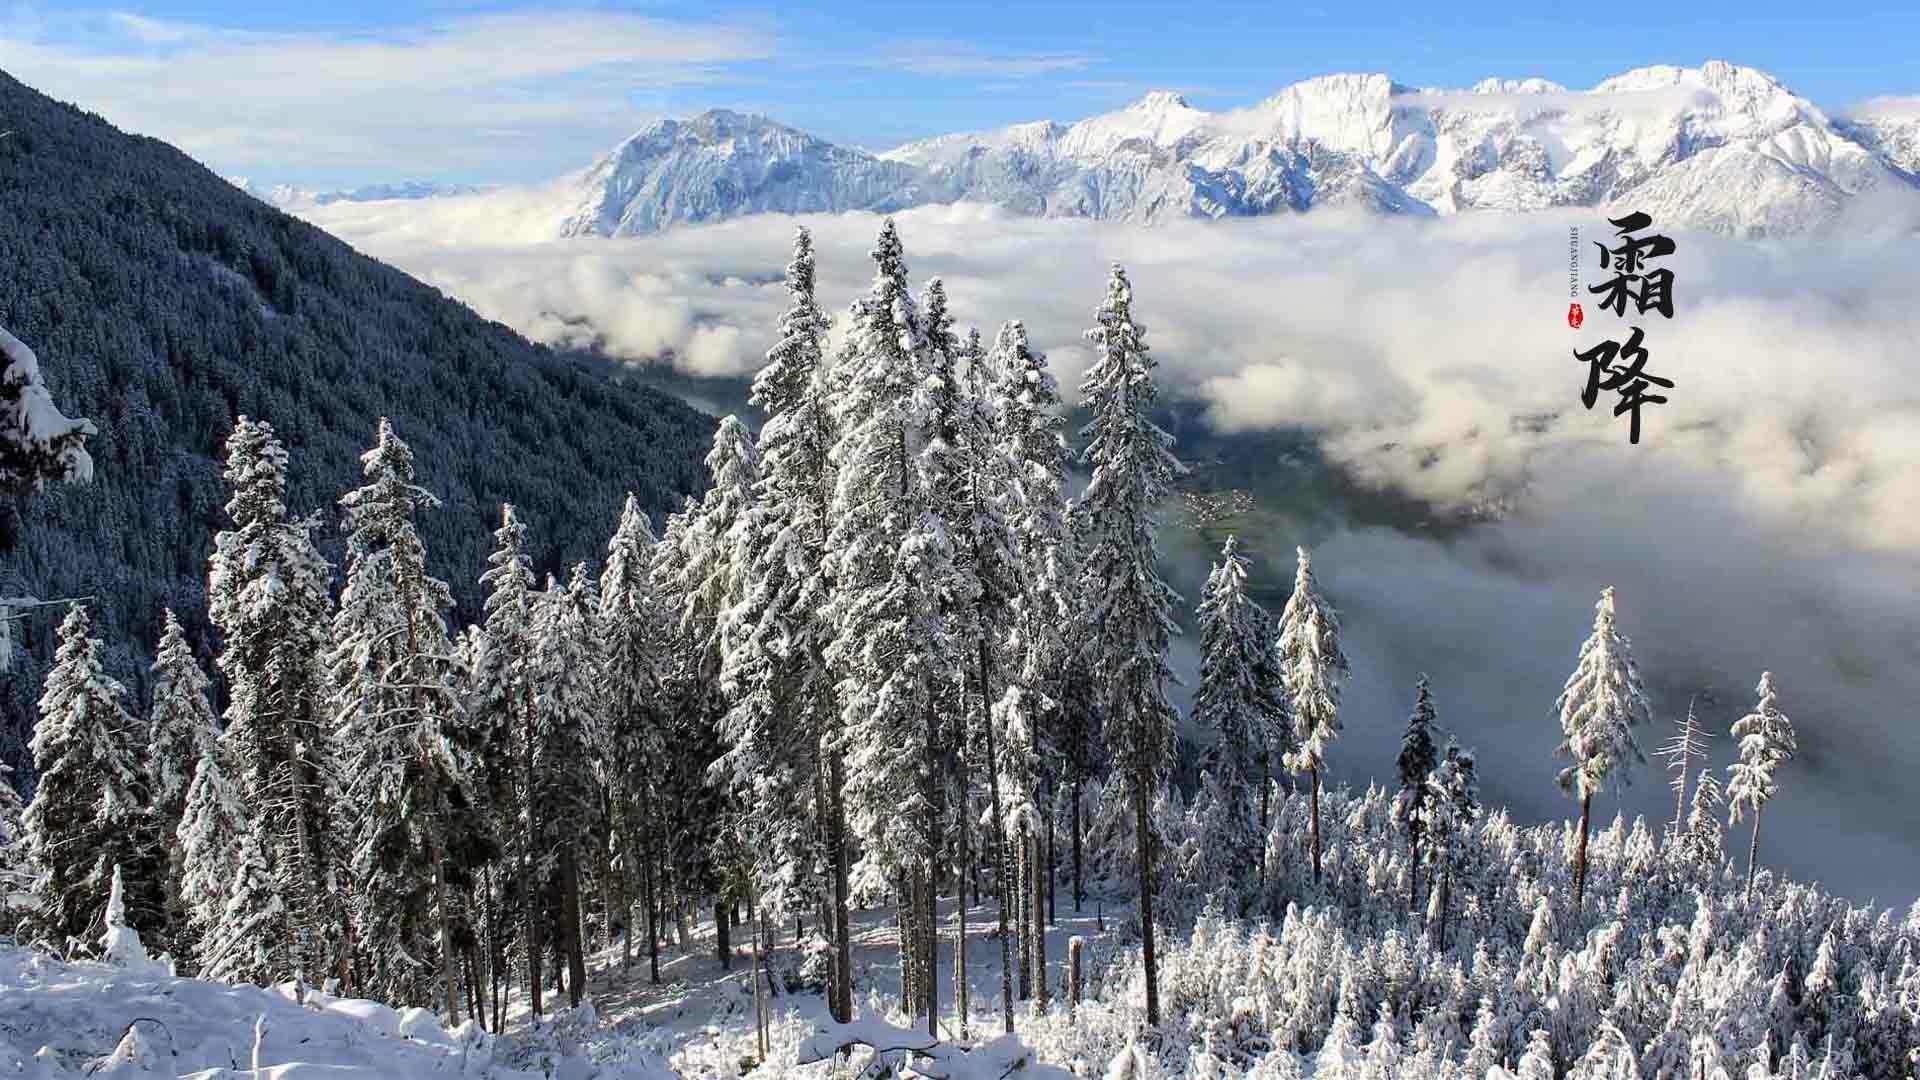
(360,91)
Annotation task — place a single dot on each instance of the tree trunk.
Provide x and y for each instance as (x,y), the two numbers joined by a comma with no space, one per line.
(842,948)
(648,887)
(1413,857)
(759,998)
(964,829)
(722,943)
(1315,774)
(1266,791)
(1144,848)
(1053,872)
(1039,927)
(999,837)
(1079,893)
(1580,853)
(447,956)
(571,931)
(1018,886)
(1753,852)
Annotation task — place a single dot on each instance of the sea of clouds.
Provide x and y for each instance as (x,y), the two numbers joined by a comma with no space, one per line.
(1769,518)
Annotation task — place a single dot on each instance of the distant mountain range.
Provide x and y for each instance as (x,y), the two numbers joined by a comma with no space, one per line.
(289,197)
(1716,147)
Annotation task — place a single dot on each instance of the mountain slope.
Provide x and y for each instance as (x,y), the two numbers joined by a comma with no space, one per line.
(162,301)
(1718,147)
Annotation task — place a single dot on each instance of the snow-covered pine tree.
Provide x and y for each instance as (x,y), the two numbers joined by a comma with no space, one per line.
(1445,815)
(1767,741)
(1702,840)
(631,628)
(780,702)
(88,812)
(245,943)
(37,443)
(892,560)
(181,730)
(16,869)
(957,489)
(565,680)
(1313,667)
(392,701)
(1227,703)
(1601,705)
(208,842)
(267,593)
(1689,742)
(498,735)
(1418,758)
(1126,623)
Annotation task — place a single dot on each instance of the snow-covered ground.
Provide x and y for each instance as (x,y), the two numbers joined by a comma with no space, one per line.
(61,1020)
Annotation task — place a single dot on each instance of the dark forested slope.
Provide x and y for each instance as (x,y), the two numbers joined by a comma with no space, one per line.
(163,301)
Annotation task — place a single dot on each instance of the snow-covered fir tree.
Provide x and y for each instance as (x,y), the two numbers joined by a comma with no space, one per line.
(566,673)
(498,737)
(89,811)
(393,697)
(1418,758)
(772,674)
(37,443)
(893,570)
(245,943)
(267,593)
(1126,624)
(181,730)
(1227,705)
(208,842)
(782,703)
(631,627)
(1313,668)
(1767,741)
(1599,708)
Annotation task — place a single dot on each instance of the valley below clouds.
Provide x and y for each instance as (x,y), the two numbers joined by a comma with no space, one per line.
(1768,519)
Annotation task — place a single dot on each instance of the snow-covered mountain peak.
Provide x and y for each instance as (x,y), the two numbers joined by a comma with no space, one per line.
(1718,146)
(1517,86)
(1157,102)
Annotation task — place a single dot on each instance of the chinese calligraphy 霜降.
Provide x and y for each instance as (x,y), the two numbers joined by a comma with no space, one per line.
(1617,366)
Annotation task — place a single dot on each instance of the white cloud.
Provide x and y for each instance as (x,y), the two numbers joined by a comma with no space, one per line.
(1769,518)
(961,59)
(411,101)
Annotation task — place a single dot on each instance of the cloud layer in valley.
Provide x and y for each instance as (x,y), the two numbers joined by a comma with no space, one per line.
(1770,517)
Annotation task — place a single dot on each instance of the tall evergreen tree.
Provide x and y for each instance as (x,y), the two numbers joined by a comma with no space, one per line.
(1601,705)
(89,811)
(499,735)
(1767,741)
(1227,704)
(181,730)
(393,699)
(894,561)
(1313,667)
(565,700)
(780,702)
(267,593)
(631,631)
(208,841)
(1126,622)
(1418,757)
(244,944)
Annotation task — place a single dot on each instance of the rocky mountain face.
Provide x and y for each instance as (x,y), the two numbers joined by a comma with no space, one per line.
(1715,147)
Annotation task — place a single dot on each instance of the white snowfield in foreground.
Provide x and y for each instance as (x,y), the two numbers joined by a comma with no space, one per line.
(61,1020)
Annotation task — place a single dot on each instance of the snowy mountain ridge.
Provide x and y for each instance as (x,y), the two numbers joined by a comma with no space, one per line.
(292,197)
(1717,147)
